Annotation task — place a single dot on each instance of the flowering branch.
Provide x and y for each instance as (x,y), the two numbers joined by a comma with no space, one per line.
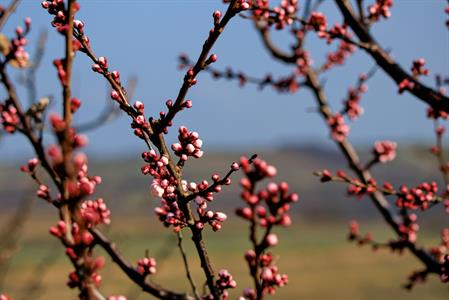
(433,98)
(132,273)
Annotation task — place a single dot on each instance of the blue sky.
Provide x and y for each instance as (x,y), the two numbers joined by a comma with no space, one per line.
(144,38)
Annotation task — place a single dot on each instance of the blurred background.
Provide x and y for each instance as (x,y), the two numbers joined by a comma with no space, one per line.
(142,39)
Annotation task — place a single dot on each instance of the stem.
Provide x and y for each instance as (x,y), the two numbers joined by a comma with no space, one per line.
(7,13)
(131,272)
(186,265)
(440,156)
(66,144)
(206,265)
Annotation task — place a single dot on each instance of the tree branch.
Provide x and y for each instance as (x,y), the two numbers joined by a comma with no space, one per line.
(132,273)
(433,98)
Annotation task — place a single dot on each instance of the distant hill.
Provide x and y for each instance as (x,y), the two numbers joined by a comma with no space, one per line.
(126,190)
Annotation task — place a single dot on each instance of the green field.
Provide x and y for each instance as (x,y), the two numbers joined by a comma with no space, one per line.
(318,260)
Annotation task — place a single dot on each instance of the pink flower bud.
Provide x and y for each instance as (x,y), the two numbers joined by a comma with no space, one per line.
(245,6)
(235,166)
(190,148)
(176,147)
(115,95)
(271,171)
(103,62)
(209,214)
(272,239)
(217,16)
(87,238)
(221,217)
(139,106)
(87,188)
(267,274)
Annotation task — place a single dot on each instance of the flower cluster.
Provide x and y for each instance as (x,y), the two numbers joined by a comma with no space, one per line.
(95,212)
(90,271)
(189,144)
(418,67)
(156,165)
(340,31)
(440,251)
(352,102)
(339,130)
(356,188)
(16,54)
(380,9)
(58,10)
(384,151)
(405,84)
(266,208)
(170,214)
(225,282)
(84,184)
(318,22)
(417,197)
(269,276)
(339,57)
(279,16)
(139,123)
(146,266)
(9,117)
(409,228)
(214,219)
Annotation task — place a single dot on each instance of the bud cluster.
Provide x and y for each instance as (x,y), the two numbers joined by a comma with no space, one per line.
(90,272)
(352,106)
(225,282)
(270,277)
(16,53)
(340,55)
(339,129)
(266,208)
(279,16)
(189,144)
(380,9)
(418,67)
(317,22)
(58,10)
(405,84)
(384,151)
(139,124)
(95,212)
(146,266)
(418,197)
(9,117)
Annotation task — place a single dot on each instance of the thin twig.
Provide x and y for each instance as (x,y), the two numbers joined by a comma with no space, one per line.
(7,13)
(186,265)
